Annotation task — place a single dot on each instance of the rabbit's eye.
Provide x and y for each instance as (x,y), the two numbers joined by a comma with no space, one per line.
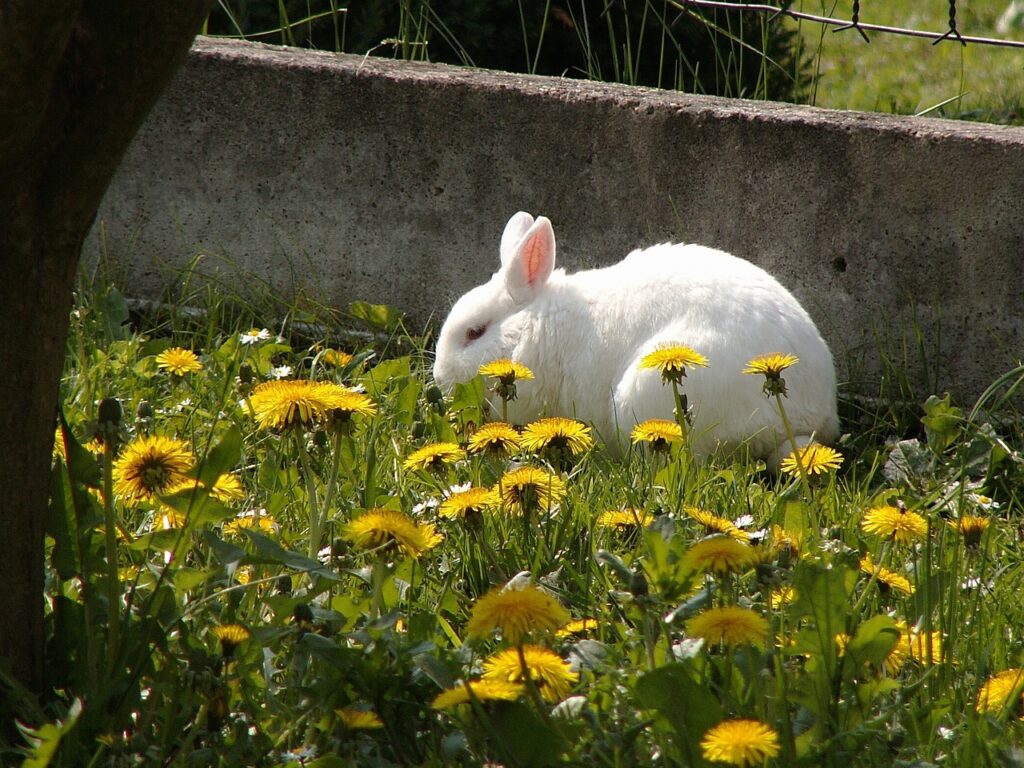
(473,334)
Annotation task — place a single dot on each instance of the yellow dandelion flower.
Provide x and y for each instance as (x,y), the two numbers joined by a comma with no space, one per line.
(672,361)
(178,361)
(770,365)
(577,627)
(557,433)
(920,646)
(788,544)
(719,555)
(389,528)
(971,527)
(281,404)
(625,520)
(336,357)
(518,486)
(781,596)
(1000,691)
(516,612)
(660,433)
(742,743)
(231,636)
(887,578)
(256,521)
(481,690)
(900,525)
(355,719)
(816,460)
(549,672)
(227,488)
(149,466)
(433,456)
(730,625)
(712,523)
(494,437)
(506,371)
(472,501)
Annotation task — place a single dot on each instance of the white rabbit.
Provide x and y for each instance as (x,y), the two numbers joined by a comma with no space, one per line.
(583,335)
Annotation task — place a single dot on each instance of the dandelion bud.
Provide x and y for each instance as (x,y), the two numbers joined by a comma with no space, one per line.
(638,585)
(145,411)
(246,375)
(108,422)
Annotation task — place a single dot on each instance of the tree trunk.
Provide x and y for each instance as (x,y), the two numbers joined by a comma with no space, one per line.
(80,76)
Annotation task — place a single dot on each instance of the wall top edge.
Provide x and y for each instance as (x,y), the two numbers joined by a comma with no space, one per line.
(624,96)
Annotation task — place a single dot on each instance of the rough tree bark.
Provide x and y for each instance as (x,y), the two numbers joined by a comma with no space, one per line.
(78,79)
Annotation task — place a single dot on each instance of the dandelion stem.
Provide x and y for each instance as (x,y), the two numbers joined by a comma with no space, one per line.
(315,518)
(797,458)
(110,525)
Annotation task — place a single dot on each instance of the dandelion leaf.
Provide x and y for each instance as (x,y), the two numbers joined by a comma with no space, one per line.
(525,737)
(942,422)
(222,458)
(689,707)
(873,640)
(908,461)
(380,317)
(269,551)
(45,740)
(823,594)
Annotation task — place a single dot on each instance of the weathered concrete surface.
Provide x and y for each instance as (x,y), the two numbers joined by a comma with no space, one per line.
(362,178)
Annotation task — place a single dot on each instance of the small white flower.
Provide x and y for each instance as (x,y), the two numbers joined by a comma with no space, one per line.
(946,733)
(756,537)
(743,521)
(427,505)
(324,555)
(520,581)
(254,336)
(281,372)
(688,648)
(459,488)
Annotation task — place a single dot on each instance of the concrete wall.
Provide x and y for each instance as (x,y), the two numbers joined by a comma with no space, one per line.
(363,178)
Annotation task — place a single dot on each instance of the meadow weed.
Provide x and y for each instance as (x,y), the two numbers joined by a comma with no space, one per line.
(266,547)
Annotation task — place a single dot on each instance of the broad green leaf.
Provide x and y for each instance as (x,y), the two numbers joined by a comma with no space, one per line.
(269,551)
(378,316)
(525,737)
(688,705)
(45,740)
(222,458)
(186,579)
(386,375)
(942,422)
(824,595)
(873,640)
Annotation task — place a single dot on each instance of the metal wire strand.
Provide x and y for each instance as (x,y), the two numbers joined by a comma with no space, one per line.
(951,34)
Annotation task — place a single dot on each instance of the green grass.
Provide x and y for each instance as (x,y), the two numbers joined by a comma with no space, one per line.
(378,629)
(908,75)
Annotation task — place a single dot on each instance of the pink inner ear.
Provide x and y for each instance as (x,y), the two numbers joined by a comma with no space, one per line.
(534,251)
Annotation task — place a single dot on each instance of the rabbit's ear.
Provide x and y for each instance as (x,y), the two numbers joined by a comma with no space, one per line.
(528,265)
(514,231)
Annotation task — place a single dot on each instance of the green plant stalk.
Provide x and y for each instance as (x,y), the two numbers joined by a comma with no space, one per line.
(680,411)
(315,517)
(380,572)
(113,582)
(797,458)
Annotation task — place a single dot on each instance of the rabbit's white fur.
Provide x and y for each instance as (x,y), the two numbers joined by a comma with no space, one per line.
(583,336)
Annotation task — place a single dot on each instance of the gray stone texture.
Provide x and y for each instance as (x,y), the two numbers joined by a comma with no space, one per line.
(347,178)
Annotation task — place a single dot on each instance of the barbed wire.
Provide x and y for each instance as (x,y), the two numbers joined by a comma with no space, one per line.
(855,23)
